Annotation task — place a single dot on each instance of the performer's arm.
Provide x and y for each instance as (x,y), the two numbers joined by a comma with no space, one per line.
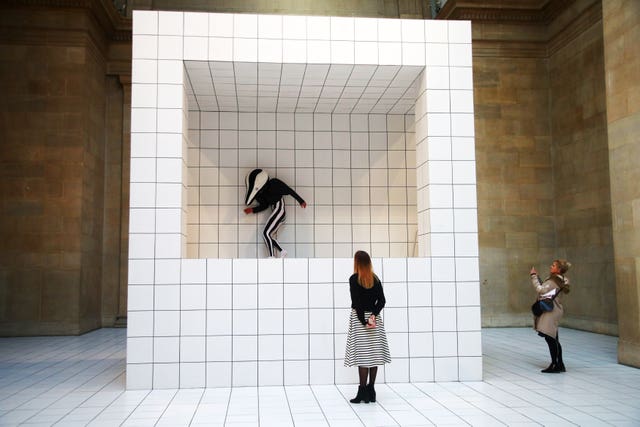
(292,193)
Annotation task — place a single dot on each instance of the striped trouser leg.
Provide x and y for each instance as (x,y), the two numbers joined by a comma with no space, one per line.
(275,220)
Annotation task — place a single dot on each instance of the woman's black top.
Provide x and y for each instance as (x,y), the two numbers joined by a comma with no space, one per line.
(363,299)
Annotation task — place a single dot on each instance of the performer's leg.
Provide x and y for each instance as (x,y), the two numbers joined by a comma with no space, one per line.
(274,221)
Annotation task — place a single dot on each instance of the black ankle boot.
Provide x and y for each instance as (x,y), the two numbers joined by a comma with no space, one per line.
(560,367)
(551,369)
(362,395)
(372,393)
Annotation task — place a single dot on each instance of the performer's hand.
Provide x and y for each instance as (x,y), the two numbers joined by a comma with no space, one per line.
(371,323)
(303,204)
(533,271)
(248,210)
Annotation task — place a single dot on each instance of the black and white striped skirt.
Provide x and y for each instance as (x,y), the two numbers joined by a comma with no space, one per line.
(366,347)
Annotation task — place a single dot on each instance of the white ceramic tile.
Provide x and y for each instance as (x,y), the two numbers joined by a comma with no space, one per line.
(464,196)
(270,373)
(245,50)
(320,270)
(139,376)
(140,324)
(444,344)
(446,369)
(366,29)
(468,294)
(296,295)
(141,220)
(436,54)
(296,372)
(166,349)
(270,322)
(245,374)
(170,47)
(192,349)
(389,30)
(218,374)
(470,368)
(144,71)
(166,323)
(436,31)
(219,297)
(145,22)
(220,49)
(167,271)
(193,297)
(245,271)
(270,271)
(321,371)
(295,270)
(444,318)
(196,48)
(296,321)
(294,27)
(245,296)
(141,246)
(192,375)
(460,55)
(320,321)
(318,28)
(420,344)
(398,371)
(421,318)
(270,295)
(168,245)
(220,24)
(444,293)
(470,343)
(219,322)
(461,78)
(418,269)
(468,318)
(421,369)
(171,23)
(389,53)
(166,375)
(466,244)
(442,244)
(145,47)
(140,297)
(245,322)
(218,349)
(320,295)
(413,54)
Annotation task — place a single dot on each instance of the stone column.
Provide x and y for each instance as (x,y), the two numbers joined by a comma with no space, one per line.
(621,20)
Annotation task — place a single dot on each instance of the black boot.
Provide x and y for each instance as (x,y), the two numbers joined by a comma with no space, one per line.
(551,369)
(362,395)
(372,393)
(560,367)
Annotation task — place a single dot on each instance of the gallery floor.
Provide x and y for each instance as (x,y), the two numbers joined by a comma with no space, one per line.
(78,381)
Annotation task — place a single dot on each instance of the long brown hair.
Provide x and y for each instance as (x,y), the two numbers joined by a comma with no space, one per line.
(363,268)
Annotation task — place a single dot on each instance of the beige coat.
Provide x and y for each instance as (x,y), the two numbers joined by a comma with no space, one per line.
(547,322)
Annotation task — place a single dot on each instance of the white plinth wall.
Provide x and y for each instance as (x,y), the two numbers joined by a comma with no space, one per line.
(372,121)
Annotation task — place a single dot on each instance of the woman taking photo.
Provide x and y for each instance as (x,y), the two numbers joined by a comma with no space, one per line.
(547,322)
(367,346)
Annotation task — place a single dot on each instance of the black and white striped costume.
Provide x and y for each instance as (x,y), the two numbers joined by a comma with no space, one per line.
(272,194)
(366,347)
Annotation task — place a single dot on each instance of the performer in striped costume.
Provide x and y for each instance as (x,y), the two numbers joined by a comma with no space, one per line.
(269,192)
(367,346)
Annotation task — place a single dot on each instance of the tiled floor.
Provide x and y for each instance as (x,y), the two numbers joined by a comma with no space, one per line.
(69,381)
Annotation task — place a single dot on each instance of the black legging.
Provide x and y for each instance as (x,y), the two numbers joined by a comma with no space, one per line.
(555,349)
(273,223)
(370,372)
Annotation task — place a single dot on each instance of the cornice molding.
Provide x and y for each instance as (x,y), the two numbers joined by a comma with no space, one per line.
(582,23)
(509,49)
(115,26)
(535,12)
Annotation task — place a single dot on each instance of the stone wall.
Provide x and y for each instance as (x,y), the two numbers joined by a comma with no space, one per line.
(52,77)
(621,20)
(581,173)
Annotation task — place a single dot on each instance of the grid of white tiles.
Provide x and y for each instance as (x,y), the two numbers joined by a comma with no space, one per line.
(352,170)
(79,381)
(170,318)
(247,322)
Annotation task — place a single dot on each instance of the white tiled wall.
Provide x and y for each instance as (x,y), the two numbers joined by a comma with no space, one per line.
(245,321)
(356,173)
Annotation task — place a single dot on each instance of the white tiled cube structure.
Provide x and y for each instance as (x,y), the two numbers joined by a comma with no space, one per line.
(371,120)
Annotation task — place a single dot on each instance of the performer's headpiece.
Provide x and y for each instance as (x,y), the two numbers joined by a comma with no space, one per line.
(255,180)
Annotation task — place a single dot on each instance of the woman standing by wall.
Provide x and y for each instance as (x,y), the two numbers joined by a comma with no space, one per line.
(367,346)
(547,322)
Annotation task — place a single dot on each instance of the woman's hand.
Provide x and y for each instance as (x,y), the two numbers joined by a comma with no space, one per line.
(248,210)
(303,205)
(371,323)
(533,271)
